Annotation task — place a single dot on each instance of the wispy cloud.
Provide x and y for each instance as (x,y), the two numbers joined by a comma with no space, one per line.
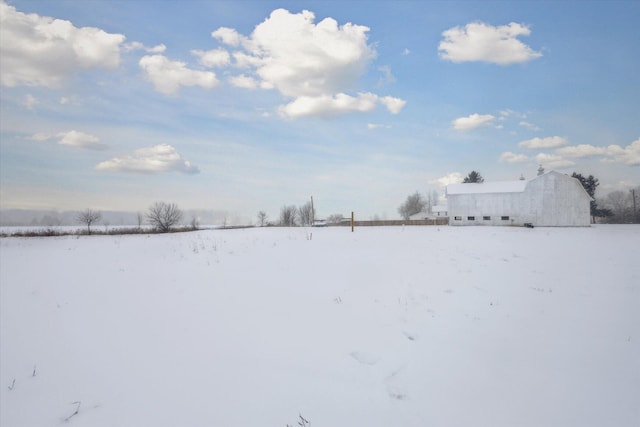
(510,157)
(450,178)
(387,76)
(551,161)
(478,41)
(372,126)
(530,126)
(157,159)
(72,138)
(547,142)
(128,47)
(168,76)
(474,121)
(40,136)
(30,101)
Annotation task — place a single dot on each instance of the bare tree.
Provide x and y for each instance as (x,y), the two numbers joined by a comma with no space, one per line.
(140,218)
(413,205)
(335,218)
(262,218)
(195,224)
(305,214)
(288,216)
(89,217)
(619,203)
(162,216)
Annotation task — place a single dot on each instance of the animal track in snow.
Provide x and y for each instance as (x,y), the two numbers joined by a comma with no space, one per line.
(410,336)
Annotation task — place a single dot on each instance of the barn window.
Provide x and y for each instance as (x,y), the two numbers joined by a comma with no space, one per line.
(486,218)
(471,218)
(505,218)
(458,218)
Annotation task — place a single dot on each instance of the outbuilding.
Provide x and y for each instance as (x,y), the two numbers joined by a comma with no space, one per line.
(552,199)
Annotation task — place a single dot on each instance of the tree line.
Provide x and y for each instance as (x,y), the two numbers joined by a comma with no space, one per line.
(162,216)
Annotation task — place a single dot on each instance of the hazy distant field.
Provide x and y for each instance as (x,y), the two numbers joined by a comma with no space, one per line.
(387,326)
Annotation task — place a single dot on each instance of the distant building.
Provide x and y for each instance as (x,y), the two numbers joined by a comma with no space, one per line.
(551,199)
(440,211)
(436,211)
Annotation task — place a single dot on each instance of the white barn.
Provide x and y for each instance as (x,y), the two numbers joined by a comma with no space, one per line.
(548,200)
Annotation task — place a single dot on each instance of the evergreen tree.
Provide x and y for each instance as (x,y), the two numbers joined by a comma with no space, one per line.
(590,184)
(473,177)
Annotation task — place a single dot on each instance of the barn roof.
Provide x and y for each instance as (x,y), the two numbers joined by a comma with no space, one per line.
(503,186)
(488,187)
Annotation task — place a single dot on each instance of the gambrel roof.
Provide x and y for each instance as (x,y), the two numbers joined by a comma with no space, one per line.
(500,186)
(487,187)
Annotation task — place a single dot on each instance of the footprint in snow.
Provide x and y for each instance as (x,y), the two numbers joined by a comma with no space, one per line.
(396,394)
(393,385)
(410,336)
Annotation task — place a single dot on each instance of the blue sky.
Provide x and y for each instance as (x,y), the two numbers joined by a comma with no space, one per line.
(245,106)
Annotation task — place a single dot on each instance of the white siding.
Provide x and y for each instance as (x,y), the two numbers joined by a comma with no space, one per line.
(552,199)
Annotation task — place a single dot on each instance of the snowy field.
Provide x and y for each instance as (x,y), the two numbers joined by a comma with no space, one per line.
(421,326)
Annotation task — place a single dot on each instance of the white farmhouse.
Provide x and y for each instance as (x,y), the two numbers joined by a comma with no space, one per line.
(548,200)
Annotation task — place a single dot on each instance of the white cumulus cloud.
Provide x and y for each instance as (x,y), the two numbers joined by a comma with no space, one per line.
(327,105)
(229,36)
(551,161)
(478,41)
(243,81)
(78,139)
(157,159)
(582,150)
(510,157)
(301,58)
(167,76)
(450,178)
(394,105)
(213,58)
(42,51)
(474,121)
(629,155)
(547,142)
(316,64)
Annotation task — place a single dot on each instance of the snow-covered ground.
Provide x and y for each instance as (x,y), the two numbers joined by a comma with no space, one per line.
(392,326)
